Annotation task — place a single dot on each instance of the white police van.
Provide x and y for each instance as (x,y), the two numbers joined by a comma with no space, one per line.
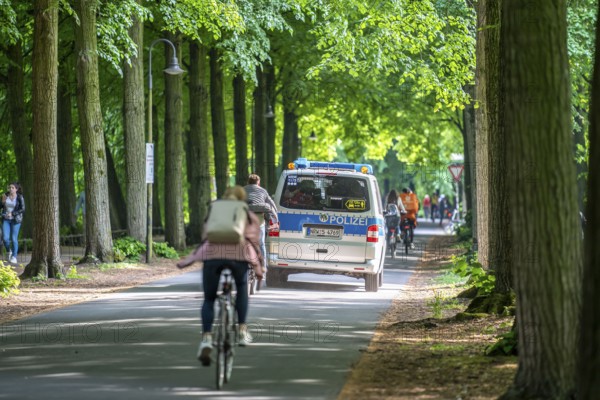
(331,222)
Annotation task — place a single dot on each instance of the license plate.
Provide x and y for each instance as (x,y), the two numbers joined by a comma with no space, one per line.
(324,232)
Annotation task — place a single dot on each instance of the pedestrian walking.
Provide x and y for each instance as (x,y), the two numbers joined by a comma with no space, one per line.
(13,207)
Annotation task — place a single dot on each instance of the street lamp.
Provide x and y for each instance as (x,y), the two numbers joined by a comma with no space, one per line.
(172,69)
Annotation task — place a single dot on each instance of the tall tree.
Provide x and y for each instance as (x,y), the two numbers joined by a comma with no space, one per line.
(198,170)
(118,205)
(45,258)
(259,129)
(217,112)
(544,223)
(66,167)
(174,224)
(494,242)
(98,232)
(240,131)
(20,135)
(589,346)
(133,125)
(270,133)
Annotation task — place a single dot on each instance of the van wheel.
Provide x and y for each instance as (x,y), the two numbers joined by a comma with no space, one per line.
(371,282)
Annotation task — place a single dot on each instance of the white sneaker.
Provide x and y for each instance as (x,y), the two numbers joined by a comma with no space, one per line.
(245,336)
(205,349)
(13,260)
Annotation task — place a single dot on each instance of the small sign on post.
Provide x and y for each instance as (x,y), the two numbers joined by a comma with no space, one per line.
(149,162)
(456,171)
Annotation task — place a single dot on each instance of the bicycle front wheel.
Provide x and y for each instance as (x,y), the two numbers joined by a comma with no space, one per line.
(221,346)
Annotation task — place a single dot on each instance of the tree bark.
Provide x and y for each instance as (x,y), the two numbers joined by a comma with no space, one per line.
(270,132)
(589,346)
(289,147)
(198,165)
(240,131)
(118,206)
(20,135)
(66,163)
(45,258)
(470,153)
(174,224)
(135,142)
(482,136)
(544,223)
(98,231)
(219,132)
(259,126)
(156,192)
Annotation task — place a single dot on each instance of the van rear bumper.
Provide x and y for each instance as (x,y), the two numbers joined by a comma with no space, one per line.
(368,267)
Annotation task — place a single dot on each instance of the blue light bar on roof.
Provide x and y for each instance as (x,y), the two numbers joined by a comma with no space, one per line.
(303,163)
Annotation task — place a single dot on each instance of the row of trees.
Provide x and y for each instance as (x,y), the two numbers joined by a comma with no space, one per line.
(332,68)
(534,74)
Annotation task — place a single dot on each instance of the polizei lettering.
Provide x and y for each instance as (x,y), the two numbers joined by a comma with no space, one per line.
(347,220)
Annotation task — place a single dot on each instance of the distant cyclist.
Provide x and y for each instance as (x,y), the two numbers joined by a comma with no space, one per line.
(411,203)
(238,257)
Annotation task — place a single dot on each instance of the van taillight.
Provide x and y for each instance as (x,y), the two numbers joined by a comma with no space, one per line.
(274,232)
(373,233)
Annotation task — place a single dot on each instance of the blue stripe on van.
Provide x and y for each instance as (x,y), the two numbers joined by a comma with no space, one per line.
(353,225)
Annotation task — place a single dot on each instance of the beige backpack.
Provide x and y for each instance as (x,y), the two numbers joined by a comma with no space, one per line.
(226,221)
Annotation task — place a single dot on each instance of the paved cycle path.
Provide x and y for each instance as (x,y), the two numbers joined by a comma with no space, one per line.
(141,343)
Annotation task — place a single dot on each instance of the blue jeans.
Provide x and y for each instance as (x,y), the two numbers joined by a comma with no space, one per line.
(263,246)
(210,281)
(10,234)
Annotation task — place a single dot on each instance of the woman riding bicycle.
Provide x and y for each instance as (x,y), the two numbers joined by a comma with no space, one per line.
(239,257)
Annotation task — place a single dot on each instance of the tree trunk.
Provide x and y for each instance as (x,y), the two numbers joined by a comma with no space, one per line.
(174,224)
(499,245)
(97,221)
(135,142)
(217,112)
(66,163)
(156,198)
(260,134)
(481,137)
(289,148)
(45,258)
(589,346)
(118,206)
(544,222)
(271,167)
(469,149)
(239,129)
(20,135)
(197,150)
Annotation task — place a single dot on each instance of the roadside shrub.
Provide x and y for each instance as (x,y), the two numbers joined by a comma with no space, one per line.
(9,281)
(468,267)
(128,248)
(161,249)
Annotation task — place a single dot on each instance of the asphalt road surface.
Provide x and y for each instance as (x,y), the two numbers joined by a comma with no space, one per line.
(141,343)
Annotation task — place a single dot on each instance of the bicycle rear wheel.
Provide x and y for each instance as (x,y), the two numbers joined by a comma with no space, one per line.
(221,346)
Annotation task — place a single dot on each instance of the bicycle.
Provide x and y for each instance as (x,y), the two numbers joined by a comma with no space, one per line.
(392,218)
(407,233)
(226,335)
(454,223)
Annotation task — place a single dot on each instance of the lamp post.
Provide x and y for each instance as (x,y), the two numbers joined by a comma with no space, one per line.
(172,69)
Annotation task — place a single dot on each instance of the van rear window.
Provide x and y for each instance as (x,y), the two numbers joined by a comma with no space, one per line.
(326,193)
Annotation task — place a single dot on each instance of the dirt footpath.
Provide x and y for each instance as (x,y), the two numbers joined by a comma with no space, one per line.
(415,356)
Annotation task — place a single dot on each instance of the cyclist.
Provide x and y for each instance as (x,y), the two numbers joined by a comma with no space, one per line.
(434,205)
(238,258)
(411,202)
(258,196)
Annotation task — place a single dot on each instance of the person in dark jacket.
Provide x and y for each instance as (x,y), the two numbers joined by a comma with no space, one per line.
(13,207)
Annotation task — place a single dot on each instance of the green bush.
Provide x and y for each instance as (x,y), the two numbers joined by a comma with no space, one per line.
(467,266)
(9,281)
(128,247)
(162,249)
